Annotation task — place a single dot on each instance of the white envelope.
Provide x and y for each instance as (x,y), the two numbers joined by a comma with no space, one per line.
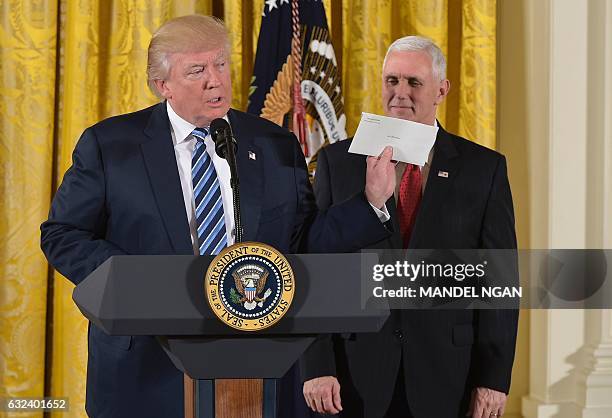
(411,141)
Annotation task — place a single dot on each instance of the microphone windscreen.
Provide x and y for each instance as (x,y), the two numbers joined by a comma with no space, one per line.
(220,131)
(219,127)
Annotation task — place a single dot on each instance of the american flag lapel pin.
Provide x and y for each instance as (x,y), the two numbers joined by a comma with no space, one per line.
(252,155)
(443,174)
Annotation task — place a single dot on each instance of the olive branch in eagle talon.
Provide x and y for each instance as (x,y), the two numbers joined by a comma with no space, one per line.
(235,296)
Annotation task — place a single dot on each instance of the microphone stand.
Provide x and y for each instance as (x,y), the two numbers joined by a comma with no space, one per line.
(230,153)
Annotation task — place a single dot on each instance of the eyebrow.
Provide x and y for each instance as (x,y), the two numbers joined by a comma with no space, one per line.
(411,78)
(192,67)
(220,56)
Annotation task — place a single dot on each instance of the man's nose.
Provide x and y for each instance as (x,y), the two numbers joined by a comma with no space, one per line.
(212,79)
(402,90)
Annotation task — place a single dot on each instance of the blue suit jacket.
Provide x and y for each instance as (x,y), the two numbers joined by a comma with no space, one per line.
(122,195)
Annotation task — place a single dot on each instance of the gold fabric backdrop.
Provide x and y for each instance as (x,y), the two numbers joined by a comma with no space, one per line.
(66,64)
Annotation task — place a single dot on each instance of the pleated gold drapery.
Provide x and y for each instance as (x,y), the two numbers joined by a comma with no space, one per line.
(464,29)
(66,64)
(28,39)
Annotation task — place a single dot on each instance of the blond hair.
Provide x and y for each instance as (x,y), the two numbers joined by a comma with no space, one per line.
(193,33)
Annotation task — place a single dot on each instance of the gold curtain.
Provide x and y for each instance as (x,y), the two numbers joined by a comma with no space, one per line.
(28,40)
(66,64)
(465,30)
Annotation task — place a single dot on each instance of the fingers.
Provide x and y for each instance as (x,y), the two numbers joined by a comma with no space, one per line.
(487,403)
(380,178)
(498,409)
(385,160)
(386,155)
(328,404)
(309,397)
(314,402)
(318,405)
(322,395)
(479,410)
(336,397)
(371,163)
(306,394)
(498,404)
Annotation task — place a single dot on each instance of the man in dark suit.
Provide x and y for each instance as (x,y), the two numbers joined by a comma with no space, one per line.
(422,364)
(150,182)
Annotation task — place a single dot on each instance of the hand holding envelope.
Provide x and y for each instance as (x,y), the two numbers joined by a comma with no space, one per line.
(380,178)
(411,141)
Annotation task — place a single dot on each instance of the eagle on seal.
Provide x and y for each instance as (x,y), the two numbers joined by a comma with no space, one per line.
(250,281)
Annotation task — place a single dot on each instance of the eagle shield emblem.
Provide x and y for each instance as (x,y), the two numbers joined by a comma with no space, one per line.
(250,282)
(249,286)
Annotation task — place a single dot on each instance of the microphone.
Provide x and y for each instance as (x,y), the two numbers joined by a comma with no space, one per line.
(226,147)
(221,133)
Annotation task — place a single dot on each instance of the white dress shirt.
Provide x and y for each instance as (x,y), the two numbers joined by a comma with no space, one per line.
(184,144)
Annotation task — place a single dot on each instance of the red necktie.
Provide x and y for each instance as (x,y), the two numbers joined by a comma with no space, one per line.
(409,198)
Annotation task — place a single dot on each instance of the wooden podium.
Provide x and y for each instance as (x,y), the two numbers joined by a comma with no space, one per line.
(163,296)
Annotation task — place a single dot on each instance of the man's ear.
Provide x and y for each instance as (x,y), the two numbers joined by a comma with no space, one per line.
(443,91)
(162,88)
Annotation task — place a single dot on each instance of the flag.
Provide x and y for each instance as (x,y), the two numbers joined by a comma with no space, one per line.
(296,81)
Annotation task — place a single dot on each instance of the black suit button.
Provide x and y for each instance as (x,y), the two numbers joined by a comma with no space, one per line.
(398,334)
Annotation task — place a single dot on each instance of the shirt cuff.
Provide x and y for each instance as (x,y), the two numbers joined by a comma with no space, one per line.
(383,214)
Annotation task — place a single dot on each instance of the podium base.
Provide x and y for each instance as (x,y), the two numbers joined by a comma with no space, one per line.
(230,398)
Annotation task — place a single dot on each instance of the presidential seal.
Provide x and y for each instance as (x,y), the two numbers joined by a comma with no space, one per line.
(249,286)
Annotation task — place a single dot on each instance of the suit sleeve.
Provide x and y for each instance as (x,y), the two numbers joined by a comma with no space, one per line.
(496,339)
(318,360)
(73,236)
(342,228)
(322,183)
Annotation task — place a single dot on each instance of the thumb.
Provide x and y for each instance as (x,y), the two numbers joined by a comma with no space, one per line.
(387,154)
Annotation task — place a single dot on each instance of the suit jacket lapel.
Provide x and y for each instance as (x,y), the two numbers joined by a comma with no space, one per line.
(250,160)
(160,161)
(436,190)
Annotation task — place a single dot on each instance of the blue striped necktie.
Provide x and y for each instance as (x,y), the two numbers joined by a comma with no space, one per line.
(210,220)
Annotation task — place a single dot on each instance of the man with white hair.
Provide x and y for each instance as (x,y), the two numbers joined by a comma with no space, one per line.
(150,182)
(422,364)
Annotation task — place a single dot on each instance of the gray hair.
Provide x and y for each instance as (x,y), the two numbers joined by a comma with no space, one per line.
(420,43)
